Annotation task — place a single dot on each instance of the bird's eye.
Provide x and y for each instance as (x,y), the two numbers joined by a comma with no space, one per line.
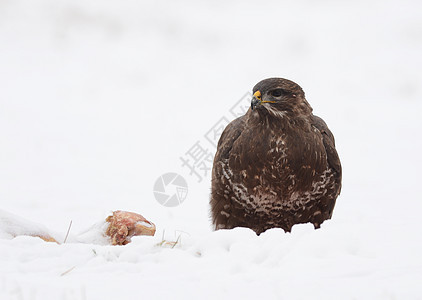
(276,93)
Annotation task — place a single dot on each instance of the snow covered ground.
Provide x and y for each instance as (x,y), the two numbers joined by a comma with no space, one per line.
(98,99)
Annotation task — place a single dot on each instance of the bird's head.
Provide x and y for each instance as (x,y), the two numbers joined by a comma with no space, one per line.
(279,96)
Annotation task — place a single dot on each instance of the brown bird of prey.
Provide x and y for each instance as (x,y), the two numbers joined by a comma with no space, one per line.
(277,165)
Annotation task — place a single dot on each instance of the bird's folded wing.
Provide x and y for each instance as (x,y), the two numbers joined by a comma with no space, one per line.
(329,144)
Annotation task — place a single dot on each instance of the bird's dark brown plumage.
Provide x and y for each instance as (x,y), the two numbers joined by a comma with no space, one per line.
(277,165)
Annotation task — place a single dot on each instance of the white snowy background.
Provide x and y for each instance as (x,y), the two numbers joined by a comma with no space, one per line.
(100,98)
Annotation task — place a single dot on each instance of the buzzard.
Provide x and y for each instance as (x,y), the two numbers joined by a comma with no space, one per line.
(277,165)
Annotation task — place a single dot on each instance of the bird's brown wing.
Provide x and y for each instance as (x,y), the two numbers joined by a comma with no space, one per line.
(220,178)
(329,144)
(228,137)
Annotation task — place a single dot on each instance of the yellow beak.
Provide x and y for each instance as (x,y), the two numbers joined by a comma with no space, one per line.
(256,100)
(257,95)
